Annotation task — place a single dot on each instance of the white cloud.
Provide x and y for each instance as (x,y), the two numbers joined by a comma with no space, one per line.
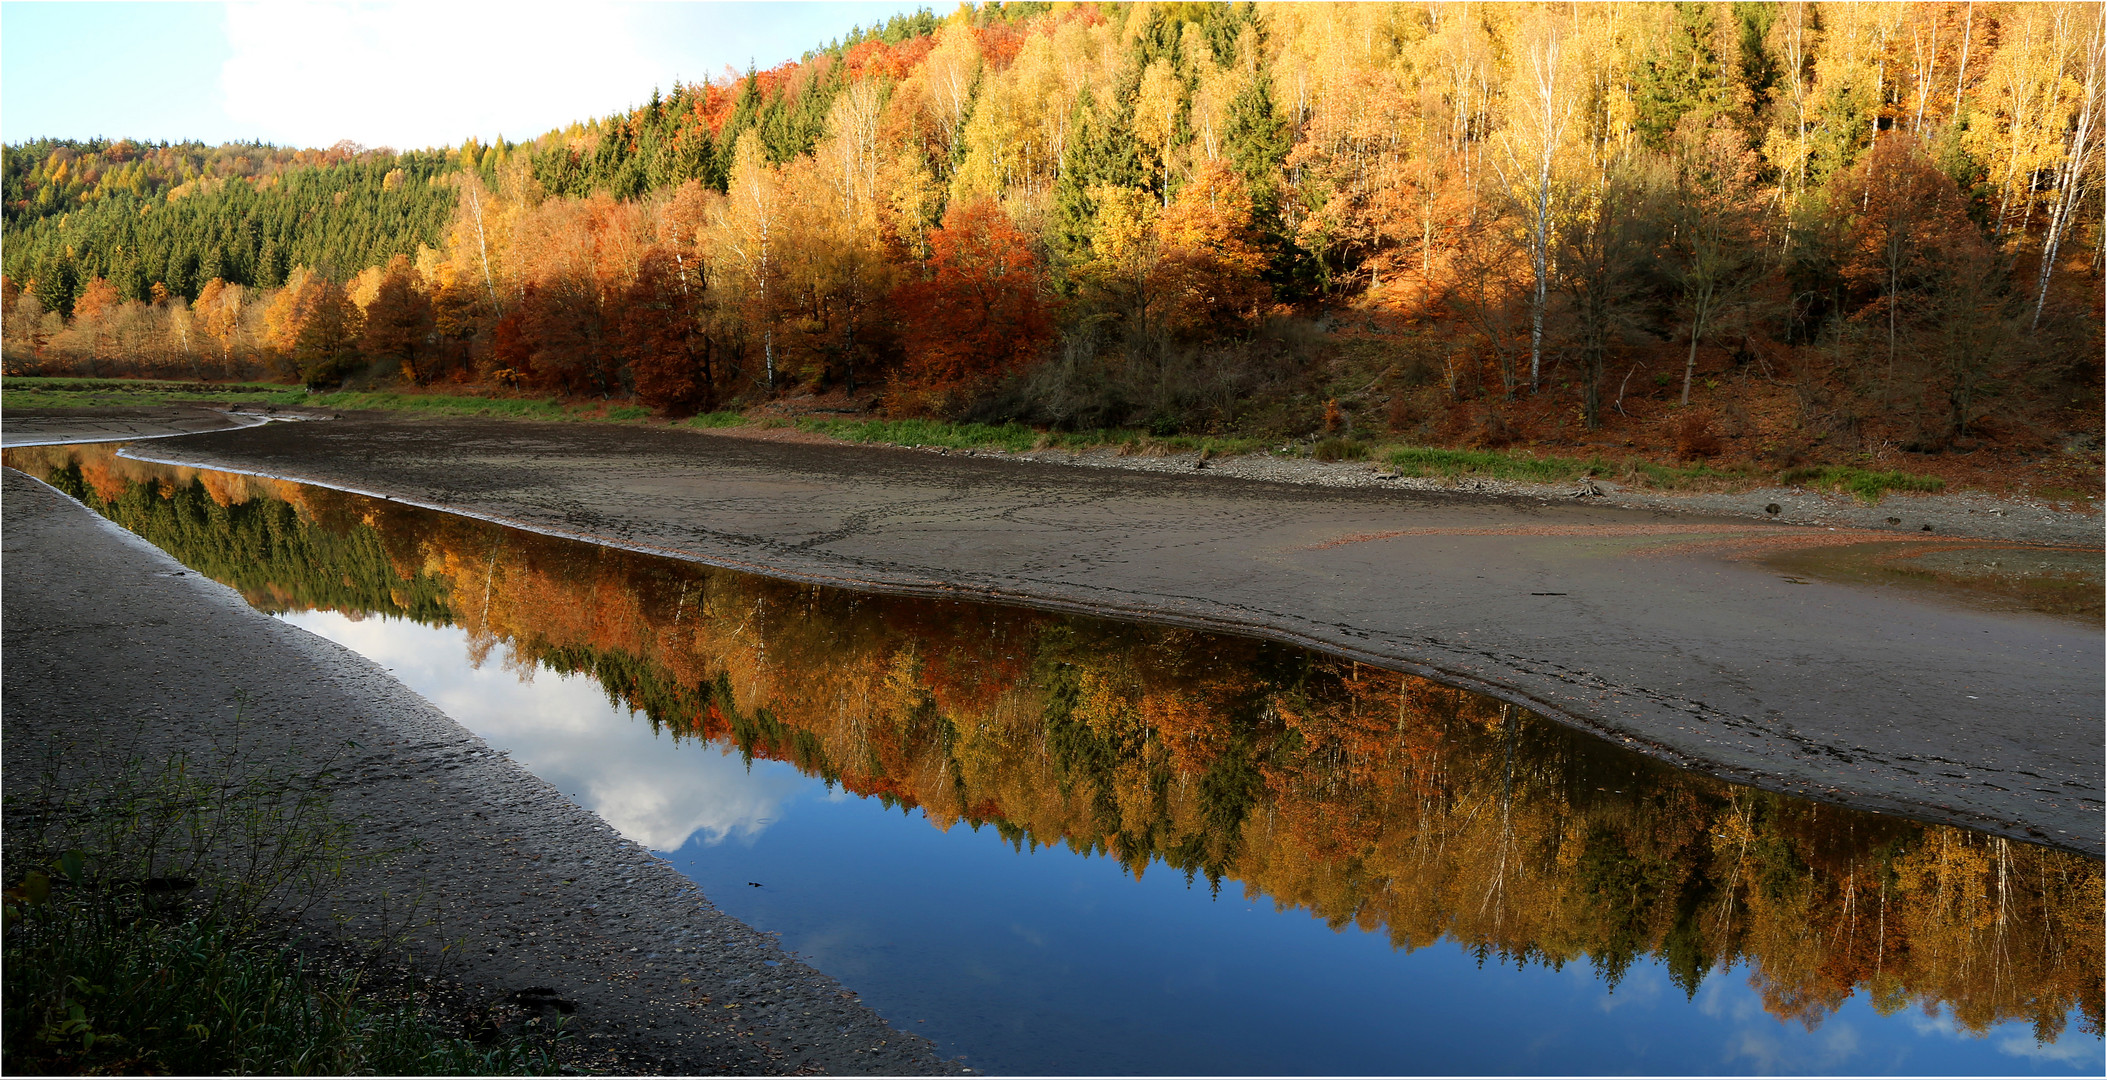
(431,74)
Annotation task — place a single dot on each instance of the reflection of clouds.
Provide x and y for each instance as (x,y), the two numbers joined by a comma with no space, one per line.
(1767,1050)
(1764,1042)
(2074,1047)
(2071,1049)
(1642,985)
(561,727)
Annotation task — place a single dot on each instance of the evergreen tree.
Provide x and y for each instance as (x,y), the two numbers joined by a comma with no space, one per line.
(1686,77)
(1100,154)
(1256,140)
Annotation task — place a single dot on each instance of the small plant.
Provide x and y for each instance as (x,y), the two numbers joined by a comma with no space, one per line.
(1338,449)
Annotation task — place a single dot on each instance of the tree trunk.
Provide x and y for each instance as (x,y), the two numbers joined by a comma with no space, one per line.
(1697,331)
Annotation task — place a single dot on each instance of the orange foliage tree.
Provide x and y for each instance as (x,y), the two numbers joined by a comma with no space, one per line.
(399,322)
(1211,254)
(979,312)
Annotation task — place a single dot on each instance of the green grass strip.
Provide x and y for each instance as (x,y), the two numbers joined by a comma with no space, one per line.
(1016,438)
(1864,483)
(1010,437)
(526,408)
(1495,464)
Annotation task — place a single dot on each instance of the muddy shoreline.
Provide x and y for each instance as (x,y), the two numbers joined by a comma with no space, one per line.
(1646,626)
(495,880)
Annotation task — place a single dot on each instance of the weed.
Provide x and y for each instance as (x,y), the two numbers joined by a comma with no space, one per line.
(150,937)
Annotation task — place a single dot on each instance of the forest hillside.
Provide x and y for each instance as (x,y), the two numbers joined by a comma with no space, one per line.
(1775,234)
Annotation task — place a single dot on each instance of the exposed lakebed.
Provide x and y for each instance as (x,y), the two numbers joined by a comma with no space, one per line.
(1061,844)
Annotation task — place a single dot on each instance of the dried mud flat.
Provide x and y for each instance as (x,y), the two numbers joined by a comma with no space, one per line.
(498,884)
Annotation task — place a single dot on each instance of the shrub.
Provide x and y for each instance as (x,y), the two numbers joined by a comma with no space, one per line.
(1337,449)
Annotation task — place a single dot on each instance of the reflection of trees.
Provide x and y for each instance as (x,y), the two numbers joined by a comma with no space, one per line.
(259,536)
(1366,797)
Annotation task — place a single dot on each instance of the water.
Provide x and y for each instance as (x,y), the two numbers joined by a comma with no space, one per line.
(1063,845)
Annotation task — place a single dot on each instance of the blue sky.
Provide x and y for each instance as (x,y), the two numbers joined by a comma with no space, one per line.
(405,75)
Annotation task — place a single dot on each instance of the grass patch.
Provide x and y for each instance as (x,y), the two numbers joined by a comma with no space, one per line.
(96,983)
(68,383)
(1672,477)
(1495,464)
(1864,483)
(149,935)
(522,408)
(1010,437)
(715,420)
(1016,438)
(27,392)
(49,393)
(1527,468)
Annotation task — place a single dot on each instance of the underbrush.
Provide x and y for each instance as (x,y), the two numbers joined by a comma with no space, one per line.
(147,931)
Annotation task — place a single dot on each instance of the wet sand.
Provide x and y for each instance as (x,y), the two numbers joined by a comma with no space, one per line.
(1651,627)
(500,884)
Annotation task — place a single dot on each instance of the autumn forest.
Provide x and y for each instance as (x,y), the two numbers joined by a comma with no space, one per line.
(1778,232)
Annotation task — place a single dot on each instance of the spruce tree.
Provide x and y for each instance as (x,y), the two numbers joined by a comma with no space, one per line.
(1075,211)
(1687,76)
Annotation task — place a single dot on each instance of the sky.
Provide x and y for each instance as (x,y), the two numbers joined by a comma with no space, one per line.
(406,75)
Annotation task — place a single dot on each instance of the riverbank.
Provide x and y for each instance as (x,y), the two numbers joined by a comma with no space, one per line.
(1968,513)
(486,878)
(1663,631)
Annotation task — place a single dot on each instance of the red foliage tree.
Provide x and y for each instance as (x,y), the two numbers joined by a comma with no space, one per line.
(659,340)
(562,322)
(978,313)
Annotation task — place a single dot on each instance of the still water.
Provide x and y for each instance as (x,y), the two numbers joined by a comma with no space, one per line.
(1056,844)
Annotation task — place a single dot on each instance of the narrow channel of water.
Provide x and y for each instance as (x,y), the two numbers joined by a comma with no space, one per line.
(1057,844)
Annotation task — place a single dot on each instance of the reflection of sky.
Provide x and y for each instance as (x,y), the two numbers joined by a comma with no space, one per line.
(1048,961)
(562,728)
